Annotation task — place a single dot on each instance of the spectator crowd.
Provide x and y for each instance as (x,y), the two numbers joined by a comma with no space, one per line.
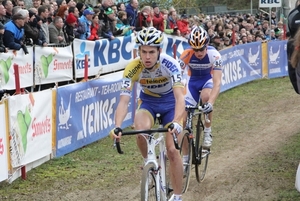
(60,21)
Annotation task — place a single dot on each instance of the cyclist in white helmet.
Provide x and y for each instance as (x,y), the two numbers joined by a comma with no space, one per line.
(203,65)
(162,92)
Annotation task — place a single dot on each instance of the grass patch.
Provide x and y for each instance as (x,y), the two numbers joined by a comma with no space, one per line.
(279,167)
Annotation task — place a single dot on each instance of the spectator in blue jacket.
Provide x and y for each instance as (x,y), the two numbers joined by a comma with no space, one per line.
(132,12)
(14,32)
(122,24)
(86,20)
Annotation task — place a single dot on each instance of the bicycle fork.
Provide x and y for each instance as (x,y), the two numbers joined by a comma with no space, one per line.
(162,163)
(158,168)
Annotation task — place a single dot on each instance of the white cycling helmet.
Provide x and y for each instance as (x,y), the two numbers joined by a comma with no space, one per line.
(149,36)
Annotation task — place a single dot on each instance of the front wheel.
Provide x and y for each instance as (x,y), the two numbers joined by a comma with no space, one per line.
(149,188)
(201,164)
(186,151)
(201,154)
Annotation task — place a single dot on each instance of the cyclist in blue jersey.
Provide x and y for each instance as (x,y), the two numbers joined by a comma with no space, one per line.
(159,76)
(203,65)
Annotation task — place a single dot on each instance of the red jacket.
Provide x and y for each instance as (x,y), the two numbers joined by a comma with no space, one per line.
(172,23)
(183,26)
(158,21)
(142,22)
(94,32)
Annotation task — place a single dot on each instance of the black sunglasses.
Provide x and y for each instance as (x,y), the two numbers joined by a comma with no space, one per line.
(200,50)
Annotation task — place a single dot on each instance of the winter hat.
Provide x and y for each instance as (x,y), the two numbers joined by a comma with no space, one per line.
(88,12)
(109,11)
(1,26)
(79,6)
(71,18)
(184,16)
(31,13)
(154,5)
(38,18)
(277,31)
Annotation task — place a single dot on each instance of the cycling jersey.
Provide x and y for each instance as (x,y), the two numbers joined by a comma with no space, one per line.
(201,67)
(199,72)
(155,85)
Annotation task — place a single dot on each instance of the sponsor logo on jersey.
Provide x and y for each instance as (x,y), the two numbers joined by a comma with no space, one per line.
(181,63)
(159,80)
(155,86)
(170,65)
(131,73)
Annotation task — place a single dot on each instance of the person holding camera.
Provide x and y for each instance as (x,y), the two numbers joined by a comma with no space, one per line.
(14,32)
(172,23)
(144,19)
(33,31)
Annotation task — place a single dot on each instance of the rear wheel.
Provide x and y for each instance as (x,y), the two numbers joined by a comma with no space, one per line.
(186,150)
(149,190)
(201,159)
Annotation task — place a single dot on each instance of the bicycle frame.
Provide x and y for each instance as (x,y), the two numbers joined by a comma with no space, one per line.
(159,165)
(189,122)
(194,150)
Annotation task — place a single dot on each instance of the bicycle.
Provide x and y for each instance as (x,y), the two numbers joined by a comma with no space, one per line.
(197,155)
(154,184)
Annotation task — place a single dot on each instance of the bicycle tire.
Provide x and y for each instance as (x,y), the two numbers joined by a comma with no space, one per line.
(149,190)
(201,155)
(186,167)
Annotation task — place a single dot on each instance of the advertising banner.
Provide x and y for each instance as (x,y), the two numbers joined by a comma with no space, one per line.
(30,124)
(180,45)
(104,56)
(269,3)
(3,145)
(25,67)
(85,113)
(241,64)
(53,64)
(277,59)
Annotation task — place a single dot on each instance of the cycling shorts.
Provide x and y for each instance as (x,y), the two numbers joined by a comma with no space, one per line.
(166,108)
(194,86)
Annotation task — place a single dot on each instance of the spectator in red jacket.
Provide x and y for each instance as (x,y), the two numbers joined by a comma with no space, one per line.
(172,23)
(183,25)
(94,28)
(144,18)
(157,18)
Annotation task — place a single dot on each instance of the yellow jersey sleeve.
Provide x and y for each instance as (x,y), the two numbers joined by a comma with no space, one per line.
(130,76)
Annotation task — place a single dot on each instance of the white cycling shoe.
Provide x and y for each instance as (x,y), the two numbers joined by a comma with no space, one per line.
(207,142)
